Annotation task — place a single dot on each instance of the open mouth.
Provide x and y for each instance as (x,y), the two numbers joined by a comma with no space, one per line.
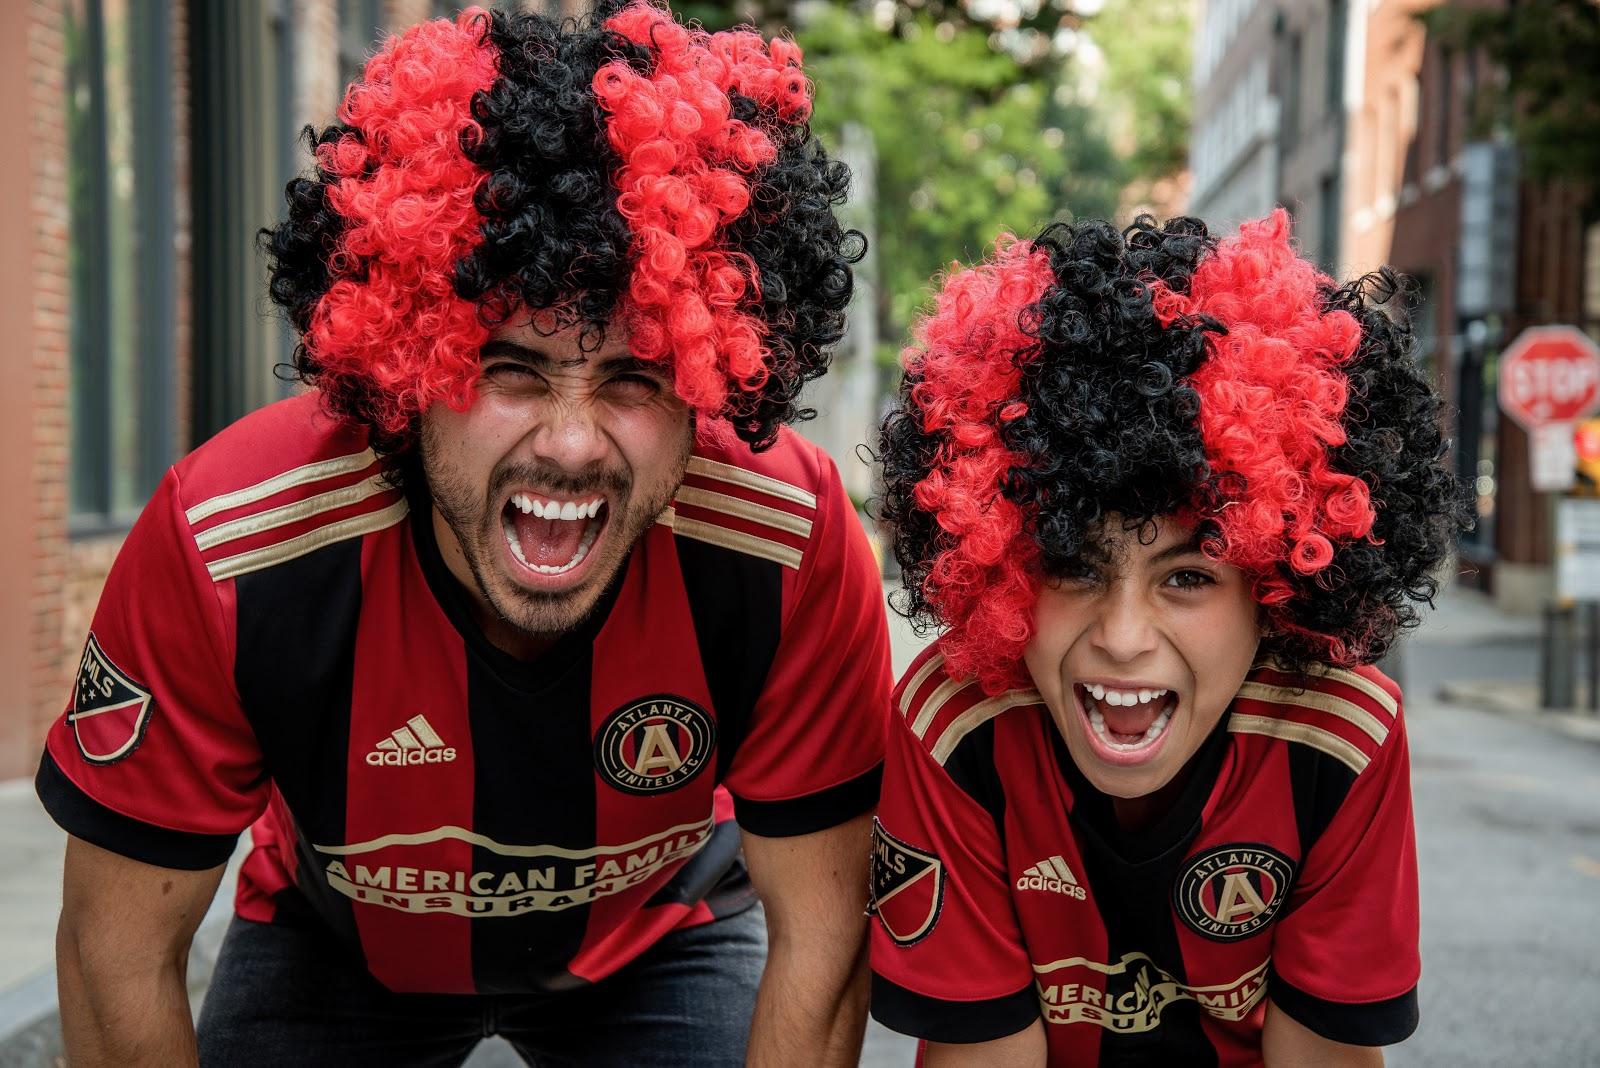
(1127,724)
(552,536)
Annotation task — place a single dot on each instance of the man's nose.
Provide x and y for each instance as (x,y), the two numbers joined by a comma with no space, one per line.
(570,437)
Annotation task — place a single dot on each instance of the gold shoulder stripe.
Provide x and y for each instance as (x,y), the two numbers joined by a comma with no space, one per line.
(339,465)
(738,476)
(291,513)
(1348,678)
(977,716)
(1322,702)
(932,664)
(946,689)
(1365,685)
(743,509)
(736,540)
(256,559)
(1304,733)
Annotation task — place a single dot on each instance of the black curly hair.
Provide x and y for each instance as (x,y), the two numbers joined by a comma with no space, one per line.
(1102,417)
(553,237)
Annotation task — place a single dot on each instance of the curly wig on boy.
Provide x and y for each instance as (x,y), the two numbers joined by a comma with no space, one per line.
(1160,372)
(625,169)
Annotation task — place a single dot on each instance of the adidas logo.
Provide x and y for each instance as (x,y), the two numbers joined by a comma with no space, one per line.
(1053,875)
(415,743)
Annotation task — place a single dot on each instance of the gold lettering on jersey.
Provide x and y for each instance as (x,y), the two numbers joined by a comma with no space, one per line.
(531,879)
(1129,996)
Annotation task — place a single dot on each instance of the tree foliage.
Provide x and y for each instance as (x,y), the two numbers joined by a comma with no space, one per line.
(1550,100)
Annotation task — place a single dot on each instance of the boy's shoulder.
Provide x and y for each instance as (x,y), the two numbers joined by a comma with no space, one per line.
(942,711)
(1346,714)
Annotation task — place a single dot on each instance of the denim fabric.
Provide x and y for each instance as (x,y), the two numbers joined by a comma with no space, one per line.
(287,995)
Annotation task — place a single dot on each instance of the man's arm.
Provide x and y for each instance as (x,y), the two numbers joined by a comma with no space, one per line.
(1287,1043)
(812,1005)
(122,953)
(1025,1049)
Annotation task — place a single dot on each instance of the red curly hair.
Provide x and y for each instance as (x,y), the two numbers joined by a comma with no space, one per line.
(1272,394)
(391,321)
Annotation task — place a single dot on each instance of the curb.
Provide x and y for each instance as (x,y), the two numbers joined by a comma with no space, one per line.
(1519,701)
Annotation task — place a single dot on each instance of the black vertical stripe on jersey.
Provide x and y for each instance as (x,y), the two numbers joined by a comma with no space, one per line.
(736,602)
(1131,876)
(533,783)
(1319,783)
(295,669)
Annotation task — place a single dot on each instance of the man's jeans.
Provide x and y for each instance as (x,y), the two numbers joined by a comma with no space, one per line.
(283,995)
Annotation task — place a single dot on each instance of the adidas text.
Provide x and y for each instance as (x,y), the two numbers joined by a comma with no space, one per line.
(1035,882)
(401,757)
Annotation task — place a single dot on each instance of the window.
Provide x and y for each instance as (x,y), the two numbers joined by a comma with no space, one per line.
(1444,108)
(1291,93)
(1329,223)
(360,25)
(1591,279)
(120,224)
(1337,28)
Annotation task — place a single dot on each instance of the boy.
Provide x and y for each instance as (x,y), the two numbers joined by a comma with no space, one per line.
(1146,801)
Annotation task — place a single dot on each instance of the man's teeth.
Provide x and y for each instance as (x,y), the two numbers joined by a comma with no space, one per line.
(1098,722)
(1123,698)
(548,509)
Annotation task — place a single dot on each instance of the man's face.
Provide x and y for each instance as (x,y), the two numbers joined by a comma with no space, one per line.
(1139,655)
(542,486)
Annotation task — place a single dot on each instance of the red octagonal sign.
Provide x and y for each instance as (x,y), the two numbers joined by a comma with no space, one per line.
(1550,374)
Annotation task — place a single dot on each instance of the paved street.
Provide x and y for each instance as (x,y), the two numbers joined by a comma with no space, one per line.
(1508,825)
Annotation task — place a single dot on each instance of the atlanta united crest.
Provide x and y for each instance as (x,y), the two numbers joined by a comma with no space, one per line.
(110,711)
(655,744)
(1233,891)
(907,890)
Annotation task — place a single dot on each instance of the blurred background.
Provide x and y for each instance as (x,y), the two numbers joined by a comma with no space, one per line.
(1458,141)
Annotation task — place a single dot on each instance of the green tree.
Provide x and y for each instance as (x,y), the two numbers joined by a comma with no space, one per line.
(1550,101)
(969,142)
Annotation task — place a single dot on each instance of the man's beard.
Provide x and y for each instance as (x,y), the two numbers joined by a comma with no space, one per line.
(476,524)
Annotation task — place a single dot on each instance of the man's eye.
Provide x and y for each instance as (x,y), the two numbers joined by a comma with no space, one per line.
(633,387)
(508,371)
(1189,579)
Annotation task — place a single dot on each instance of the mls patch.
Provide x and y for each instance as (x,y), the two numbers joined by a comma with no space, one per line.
(907,889)
(109,710)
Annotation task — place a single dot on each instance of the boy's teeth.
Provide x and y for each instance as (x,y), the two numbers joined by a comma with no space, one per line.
(1098,722)
(1122,698)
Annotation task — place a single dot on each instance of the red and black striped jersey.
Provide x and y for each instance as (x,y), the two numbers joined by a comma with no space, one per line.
(280,644)
(1286,869)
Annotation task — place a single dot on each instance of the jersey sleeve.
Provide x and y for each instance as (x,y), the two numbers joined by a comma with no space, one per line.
(813,756)
(1345,959)
(153,758)
(948,959)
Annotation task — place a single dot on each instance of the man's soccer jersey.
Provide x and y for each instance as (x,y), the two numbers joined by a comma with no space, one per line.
(1286,869)
(280,643)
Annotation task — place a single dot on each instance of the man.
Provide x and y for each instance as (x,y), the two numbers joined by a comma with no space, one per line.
(504,639)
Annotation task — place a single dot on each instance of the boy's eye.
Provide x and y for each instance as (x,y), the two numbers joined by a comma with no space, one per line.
(1076,575)
(1188,579)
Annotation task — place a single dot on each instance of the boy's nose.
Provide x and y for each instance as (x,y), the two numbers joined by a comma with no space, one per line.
(1124,630)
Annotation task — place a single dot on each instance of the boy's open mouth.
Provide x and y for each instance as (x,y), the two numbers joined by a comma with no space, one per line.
(1126,721)
(553,536)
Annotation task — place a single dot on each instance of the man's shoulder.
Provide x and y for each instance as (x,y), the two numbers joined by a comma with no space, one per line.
(284,480)
(1344,714)
(764,504)
(942,712)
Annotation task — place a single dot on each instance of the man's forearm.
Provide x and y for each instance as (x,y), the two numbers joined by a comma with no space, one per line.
(805,1016)
(123,1019)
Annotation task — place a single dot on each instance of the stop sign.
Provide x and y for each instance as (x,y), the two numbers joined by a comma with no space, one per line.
(1550,374)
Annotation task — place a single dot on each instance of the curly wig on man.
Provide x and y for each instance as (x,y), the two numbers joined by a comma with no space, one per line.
(624,169)
(1161,372)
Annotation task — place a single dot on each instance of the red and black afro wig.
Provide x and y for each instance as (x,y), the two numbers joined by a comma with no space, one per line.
(1161,372)
(625,168)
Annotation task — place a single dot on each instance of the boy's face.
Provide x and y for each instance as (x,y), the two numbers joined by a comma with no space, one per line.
(1139,654)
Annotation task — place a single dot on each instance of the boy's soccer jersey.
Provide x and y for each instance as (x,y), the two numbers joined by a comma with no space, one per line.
(280,643)
(1005,893)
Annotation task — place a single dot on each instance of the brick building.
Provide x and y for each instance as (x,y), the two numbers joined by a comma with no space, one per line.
(151,139)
